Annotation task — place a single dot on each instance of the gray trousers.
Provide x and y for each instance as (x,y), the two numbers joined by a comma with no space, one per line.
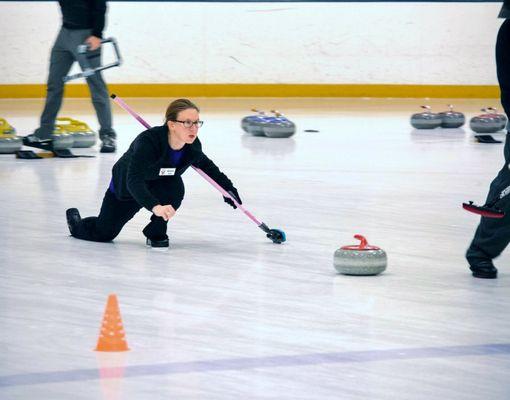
(63,55)
(493,234)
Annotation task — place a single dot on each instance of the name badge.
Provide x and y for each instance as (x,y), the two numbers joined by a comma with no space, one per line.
(166,171)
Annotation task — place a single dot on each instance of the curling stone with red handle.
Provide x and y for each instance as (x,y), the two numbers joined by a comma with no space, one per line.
(361,259)
(426,119)
(502,117)
(452,119)
(485,123)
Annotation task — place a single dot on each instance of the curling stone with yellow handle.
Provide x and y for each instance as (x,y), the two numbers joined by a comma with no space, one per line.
(61,138)
(82,135)
(9,142)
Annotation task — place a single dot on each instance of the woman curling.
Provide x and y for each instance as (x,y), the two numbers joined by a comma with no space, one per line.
(149,175)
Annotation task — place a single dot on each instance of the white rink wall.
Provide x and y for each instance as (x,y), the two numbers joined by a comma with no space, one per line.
(321,43)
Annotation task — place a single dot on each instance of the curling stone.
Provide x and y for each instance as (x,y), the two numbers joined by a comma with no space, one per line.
(247,121)
(82,135)
(9,142)
(485,123)
(452,119)
(502,117)
(280,127)
(256,126)
(426,119)
(361,259)
(61,138)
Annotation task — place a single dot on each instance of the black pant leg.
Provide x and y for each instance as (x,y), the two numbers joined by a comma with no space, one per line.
(503,64)
(113,216)
(167,191)
(493,234)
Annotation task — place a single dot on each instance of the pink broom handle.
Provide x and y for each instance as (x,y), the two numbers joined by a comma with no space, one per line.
(227,194)
(121,103)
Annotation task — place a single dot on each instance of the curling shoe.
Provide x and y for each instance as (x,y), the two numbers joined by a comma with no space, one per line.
(158,244)
(108,145)
(35,141)
(73,219)
(483,268)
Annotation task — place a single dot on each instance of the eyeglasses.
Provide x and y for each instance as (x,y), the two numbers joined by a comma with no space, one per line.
(188,124)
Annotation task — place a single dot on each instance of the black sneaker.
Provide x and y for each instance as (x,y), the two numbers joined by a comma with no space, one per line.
(108,145)
(35,141)
(483,268)
(158,243)
(73,219)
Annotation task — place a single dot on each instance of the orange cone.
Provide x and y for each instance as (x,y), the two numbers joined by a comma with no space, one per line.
(112,336)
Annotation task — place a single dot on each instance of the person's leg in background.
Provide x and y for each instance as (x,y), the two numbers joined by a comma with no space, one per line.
(98,93)
(61,61)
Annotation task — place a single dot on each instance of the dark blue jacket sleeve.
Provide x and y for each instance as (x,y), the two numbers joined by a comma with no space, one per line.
(98,17)
(145,154)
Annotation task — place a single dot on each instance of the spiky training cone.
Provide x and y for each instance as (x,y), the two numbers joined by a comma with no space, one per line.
(112,336)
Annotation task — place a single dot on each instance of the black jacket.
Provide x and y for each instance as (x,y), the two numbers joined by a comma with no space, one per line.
(84,14)
(505,10)
(143,161)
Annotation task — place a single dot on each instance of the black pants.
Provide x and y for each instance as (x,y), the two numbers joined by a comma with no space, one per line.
(493,235)
(116,213)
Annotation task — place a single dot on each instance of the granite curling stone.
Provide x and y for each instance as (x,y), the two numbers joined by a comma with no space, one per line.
(426,119)
(452,119)
(81,133)
(9,142)
(502,117)
(361,259)
(485,123)
(280,127)
(249,119)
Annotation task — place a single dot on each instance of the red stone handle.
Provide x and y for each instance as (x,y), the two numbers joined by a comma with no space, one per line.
(363,243)
(362,246)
